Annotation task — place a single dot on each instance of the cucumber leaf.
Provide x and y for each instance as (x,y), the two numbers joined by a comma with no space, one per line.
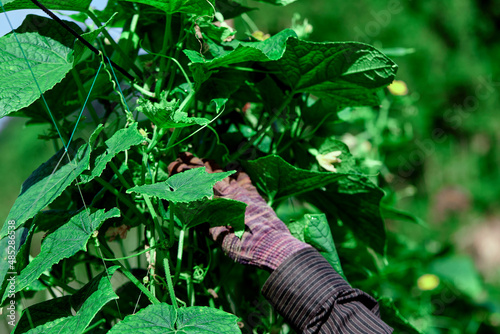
(121,141)
(344,73)
(348,196)
(191,185)
(165,319)
(279,180)
(76,5)
(49,60)
(217,212)
(48,181)
(93,296)
(63,243)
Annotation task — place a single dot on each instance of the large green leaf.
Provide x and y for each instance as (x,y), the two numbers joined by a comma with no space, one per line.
(42,313)
(122,140)
(77,5)
(217,212)
(48,181)
(348,196)
(192,185)
(199,7)
(93,296)
(165,319)
(49,60)
(49,28)
(278,179)
(344,73)
(63,243)
(271,49)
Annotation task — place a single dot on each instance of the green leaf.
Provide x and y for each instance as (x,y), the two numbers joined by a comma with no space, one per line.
(165,319)
(191,185)
(63,243)
(344,73)
(76,5)
(317,233)
(198,7)
(272,48)
(121,141)
(166,114)
(389,212)
(49,60)
(231,9)
(47,27)
(348,196)
(90,37)
(356,202)
(48,181)
(314,229)
(217,212)
(216,33)
(278,179)
(42,313)
(94,295)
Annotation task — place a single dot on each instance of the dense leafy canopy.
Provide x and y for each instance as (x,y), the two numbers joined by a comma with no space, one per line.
(255,103)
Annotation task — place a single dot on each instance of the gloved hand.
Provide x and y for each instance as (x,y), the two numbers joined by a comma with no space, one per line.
(267,242)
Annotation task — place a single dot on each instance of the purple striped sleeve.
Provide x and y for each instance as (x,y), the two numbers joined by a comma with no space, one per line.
(314,298)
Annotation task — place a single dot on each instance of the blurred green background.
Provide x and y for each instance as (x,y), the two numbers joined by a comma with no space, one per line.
(440,144)
(441,148)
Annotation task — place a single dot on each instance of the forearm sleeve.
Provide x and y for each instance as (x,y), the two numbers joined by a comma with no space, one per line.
(314,298)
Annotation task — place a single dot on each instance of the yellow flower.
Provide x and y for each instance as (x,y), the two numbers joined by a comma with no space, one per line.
(398,87)
(327,160)
(427,282)
(260,35)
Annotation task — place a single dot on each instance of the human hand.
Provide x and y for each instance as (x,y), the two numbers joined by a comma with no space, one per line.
(267,242)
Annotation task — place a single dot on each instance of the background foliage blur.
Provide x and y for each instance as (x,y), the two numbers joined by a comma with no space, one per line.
(439,142)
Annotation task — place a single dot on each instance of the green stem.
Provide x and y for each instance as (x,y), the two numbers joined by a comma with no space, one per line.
(251,24)
(143,90)
(95,325)
(133,255)
(190,285)
(119,175)
(170,285)
(180,251)
(138,284)
(263,129)
(171,226)
(173,137)
(163,62)
(178,48)
(115,45)
(150,235)
(118,194)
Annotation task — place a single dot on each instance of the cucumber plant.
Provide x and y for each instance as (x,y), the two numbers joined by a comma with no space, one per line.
(123,243)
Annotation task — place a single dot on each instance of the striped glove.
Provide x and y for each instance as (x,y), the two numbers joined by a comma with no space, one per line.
(266,243)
